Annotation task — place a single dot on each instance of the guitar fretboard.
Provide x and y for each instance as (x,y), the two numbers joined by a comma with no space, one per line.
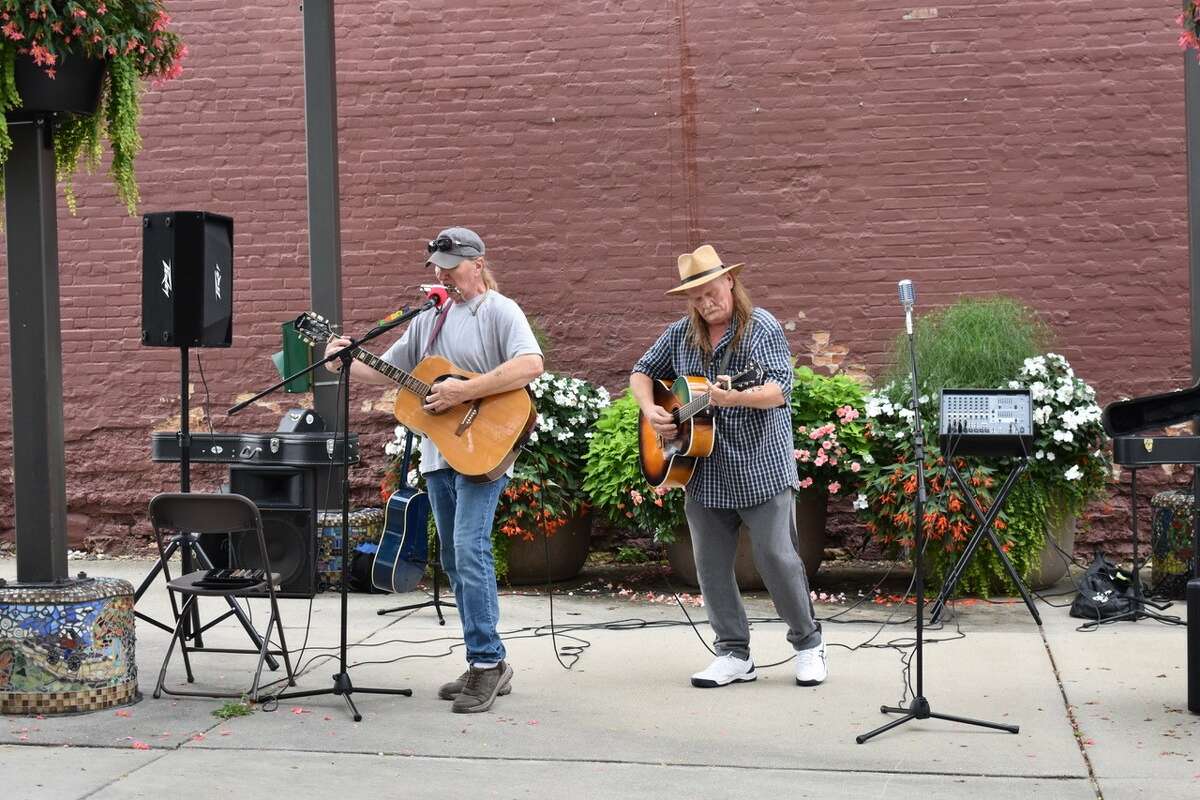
(401,377)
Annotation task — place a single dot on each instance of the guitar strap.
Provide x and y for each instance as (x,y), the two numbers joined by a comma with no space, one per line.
(724,365)
(437,327)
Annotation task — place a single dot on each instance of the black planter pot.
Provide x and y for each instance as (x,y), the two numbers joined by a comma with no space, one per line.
(75,88)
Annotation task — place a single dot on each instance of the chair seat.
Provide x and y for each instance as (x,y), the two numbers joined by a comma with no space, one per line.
(187,584)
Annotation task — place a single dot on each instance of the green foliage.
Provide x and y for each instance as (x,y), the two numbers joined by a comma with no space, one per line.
(977,342)
(829,430)
(234,708)
(613,477)
(631,555)
(131,36)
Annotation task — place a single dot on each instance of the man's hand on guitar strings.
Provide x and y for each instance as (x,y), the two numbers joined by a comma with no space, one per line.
(447,394)
(662,421)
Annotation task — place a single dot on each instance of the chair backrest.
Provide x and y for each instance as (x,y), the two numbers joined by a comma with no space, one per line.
(204,513)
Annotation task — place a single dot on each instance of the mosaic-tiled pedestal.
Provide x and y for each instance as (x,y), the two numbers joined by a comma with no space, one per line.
(67,649)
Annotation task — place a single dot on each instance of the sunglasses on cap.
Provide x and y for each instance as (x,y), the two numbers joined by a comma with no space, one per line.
(445,244)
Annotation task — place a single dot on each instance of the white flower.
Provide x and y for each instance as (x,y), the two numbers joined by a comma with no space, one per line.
(1041,414)
(1074,473)
(1040,454)
(1038,391)
(1049,456)
(867,457)
(1064,436)
(860,502)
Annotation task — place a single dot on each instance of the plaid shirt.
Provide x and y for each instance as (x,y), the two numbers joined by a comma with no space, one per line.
(752,459)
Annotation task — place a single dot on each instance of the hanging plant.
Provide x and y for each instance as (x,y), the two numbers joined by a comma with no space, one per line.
(131,37)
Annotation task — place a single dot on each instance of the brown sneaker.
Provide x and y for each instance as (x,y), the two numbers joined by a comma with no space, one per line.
(482,687)
(453,689)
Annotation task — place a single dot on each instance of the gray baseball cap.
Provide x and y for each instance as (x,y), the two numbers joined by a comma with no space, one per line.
(452,246)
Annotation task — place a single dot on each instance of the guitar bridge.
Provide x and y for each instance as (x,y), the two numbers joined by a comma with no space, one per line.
(467,419)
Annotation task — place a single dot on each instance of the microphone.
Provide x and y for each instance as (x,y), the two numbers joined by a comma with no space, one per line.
(435,296)
(908,298)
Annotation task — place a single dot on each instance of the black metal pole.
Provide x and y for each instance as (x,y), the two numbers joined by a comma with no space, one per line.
(324,212)
(39,473)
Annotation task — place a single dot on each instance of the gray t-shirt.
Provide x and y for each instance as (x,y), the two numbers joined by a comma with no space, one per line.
(477,336)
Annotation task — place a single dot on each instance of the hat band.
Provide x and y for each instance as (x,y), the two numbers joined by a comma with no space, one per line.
(699,275)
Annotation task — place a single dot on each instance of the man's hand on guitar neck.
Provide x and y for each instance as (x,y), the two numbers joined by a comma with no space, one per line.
(360,372)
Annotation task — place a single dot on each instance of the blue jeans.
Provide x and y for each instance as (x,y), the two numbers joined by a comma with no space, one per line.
(464,511)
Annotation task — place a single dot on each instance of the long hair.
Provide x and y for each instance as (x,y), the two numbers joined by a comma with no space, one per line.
(489,280)
(742,307)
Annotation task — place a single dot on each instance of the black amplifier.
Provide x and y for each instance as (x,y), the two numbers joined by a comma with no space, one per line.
(986,422)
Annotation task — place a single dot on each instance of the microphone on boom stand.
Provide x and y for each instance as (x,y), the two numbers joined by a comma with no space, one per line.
(919,708)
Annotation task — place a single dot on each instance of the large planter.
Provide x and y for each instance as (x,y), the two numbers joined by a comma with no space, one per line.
(1053,566)
(75,87)
(811,510)
(568,550)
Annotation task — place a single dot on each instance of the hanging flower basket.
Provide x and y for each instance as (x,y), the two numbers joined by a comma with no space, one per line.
(75,87)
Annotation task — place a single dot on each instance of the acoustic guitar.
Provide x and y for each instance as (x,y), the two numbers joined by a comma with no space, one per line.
(479,438)
(670,463)
(404,546)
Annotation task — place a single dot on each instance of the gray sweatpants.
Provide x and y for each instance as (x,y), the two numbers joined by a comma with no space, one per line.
(772,527)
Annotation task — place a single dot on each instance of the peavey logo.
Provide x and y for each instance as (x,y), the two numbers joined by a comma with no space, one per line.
(217,281)
(166,279)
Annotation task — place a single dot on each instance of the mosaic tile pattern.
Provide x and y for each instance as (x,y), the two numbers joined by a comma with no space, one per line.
(67,649)
(366,525)
(1171,542)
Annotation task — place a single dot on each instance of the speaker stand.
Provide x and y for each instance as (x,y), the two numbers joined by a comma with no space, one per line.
(189,547)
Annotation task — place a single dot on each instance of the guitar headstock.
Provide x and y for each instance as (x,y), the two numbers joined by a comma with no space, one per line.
(313,328)
(752,375)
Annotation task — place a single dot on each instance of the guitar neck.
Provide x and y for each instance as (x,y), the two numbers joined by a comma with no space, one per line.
(692,407)
(405,379)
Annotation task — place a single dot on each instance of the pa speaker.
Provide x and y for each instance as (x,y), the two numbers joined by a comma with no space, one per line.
(291,548)
(286,500)
(187,279)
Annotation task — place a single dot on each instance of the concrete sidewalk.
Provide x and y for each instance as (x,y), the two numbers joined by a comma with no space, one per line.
(1102,714)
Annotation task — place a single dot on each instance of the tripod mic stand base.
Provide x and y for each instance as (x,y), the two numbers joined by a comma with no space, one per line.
(919,709)
(342,686)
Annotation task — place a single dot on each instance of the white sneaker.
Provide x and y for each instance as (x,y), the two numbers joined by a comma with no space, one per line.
(725,670)
(811,669)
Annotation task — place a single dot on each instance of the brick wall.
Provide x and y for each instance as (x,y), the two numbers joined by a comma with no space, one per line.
(1031,148)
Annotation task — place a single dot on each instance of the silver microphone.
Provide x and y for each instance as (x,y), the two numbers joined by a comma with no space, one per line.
(908,298)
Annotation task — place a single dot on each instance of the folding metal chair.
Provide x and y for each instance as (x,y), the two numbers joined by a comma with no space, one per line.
(233,514)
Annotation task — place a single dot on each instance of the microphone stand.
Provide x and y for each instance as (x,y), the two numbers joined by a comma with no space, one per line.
(341,680)
(919,708)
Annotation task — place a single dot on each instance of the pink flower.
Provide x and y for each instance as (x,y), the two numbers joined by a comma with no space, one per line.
(637,496)
(826,445)
(820,459)
(804,455)
(661,490)
(79,12)
(807,482)
(11,32)
(833,487)
(855,466)
(658,502)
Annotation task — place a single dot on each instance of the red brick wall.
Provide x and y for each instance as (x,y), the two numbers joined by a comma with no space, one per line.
(1031,148)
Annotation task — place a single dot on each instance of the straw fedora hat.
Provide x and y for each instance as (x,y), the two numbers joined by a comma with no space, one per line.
(699,267)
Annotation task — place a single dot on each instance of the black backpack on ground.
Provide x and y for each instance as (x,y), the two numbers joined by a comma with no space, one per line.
(1104,591)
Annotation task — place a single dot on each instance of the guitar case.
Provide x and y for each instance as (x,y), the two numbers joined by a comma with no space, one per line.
(404,546)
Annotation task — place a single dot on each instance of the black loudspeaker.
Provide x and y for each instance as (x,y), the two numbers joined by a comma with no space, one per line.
(187,279)
(286,500)
(1193,645)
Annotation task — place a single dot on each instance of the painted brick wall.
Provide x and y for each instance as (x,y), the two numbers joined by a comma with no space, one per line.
(1032,148)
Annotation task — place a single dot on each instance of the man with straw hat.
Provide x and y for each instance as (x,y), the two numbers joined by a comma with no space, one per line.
(749,476)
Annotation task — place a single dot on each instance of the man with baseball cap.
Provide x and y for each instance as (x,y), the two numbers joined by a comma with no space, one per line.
(482,331)
(748,477)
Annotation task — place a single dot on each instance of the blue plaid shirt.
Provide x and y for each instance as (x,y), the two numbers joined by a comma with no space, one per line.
(752,459)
